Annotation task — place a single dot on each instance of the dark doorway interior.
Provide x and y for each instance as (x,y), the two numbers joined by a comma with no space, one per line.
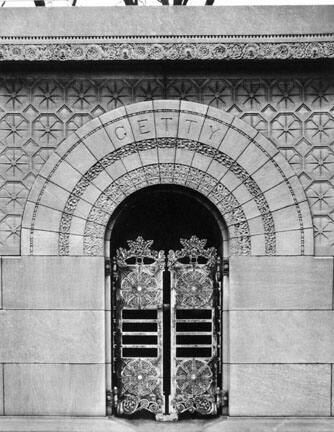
(166,213)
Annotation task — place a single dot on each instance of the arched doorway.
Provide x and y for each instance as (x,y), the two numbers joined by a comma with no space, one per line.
(180,143)
(166,305)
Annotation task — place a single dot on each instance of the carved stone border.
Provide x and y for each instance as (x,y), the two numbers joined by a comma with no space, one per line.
(157,48)
(150,175)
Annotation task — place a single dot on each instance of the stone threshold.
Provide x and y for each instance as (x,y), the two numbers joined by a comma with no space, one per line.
(222,424)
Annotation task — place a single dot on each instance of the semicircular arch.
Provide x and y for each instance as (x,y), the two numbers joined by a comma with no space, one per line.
(167,142)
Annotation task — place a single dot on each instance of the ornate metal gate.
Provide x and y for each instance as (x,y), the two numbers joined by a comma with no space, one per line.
(167,328)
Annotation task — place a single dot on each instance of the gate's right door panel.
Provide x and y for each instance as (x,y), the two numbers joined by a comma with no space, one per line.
(195,349)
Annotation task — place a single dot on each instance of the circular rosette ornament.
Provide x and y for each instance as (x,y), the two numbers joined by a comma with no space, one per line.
(139,290)
(194,289)
(139,377)
(193,377)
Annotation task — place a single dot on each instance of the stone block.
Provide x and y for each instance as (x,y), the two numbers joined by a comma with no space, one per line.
(102,180)
(281,336)
(116,169)
(76,245)
(65,176)
(306,214)
(54,389)
(231,181)
(278,196)
(1,390)
(81,158)
(182,156)
(112,115)
(89,128)
(191,122)
(289,242)
(284,165)
(244,128)
(98,142)
(69,143)
(54,196)
(216,169)
(166,117)
(132,162)
(234,143)
(213,132)
(266,144)
(44,242)
(201,162)
(256,226)
(280,390)
(54,282)
(91,193)
(149,156)
(267,176)
(258,244)
(142,123)
(25,241)
(40,336)
(309,241)
(119,131)
(252,159)
(286,219)
(250,208)
(47,219)
(280,282)
(54,158)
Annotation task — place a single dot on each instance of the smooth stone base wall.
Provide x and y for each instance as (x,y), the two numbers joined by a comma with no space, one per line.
(52,330)
(281,336)
(286,390)
(54,389)
(55,282)
(280,283)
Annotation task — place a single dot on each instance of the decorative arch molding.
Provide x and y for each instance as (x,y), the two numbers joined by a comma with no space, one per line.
(167,141)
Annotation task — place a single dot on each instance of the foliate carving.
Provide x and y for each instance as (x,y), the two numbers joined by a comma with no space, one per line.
(156,50)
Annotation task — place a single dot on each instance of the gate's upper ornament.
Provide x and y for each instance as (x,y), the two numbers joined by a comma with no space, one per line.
(167,141)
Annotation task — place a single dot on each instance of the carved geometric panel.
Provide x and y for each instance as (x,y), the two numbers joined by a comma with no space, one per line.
(297,114)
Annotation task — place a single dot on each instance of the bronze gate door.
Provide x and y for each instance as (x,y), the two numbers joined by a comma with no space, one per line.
(167,330)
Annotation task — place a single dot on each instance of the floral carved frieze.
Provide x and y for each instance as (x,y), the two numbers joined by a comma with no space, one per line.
(159,49)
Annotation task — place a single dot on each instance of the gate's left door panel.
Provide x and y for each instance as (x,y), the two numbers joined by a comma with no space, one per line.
(138,328)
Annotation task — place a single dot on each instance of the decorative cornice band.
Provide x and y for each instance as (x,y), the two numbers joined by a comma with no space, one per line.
(157,50)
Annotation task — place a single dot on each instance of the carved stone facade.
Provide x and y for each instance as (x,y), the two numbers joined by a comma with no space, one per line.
(247,125)
(295,113)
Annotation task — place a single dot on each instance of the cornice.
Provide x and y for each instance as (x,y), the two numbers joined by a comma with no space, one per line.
(159,48)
